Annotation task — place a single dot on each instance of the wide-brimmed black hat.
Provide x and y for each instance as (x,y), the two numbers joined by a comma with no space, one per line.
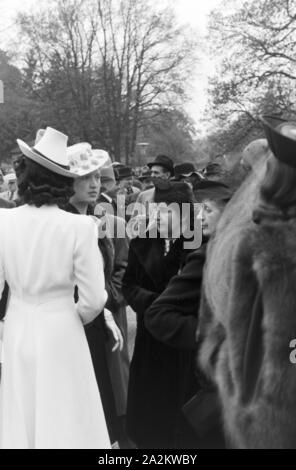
(172,191)
(184,170)
(281,137)
(122,172)
(164,161)
(213,190)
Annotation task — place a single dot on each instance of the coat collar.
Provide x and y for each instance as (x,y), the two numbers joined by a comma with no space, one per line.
(70,208)
(150,253)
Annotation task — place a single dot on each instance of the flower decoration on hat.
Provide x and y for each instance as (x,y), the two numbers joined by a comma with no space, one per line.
(83,160)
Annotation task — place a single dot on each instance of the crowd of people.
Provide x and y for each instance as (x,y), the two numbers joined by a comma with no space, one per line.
(71,261)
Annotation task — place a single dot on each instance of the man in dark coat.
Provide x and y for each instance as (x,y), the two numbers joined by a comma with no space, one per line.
(162,167)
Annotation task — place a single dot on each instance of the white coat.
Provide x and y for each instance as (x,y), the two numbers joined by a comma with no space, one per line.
(48,393)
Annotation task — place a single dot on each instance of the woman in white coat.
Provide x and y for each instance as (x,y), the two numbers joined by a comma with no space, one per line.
(48,393)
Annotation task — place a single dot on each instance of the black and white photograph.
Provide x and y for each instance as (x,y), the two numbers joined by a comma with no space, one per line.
(147,227)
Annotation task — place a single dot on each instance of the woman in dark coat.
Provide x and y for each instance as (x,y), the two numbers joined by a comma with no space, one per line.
(153,386)
(173,318)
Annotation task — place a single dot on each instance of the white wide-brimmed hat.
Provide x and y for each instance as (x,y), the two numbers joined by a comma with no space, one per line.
(50,151)
(84,160)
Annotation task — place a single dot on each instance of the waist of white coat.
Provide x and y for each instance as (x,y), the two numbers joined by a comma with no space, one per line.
(61,299)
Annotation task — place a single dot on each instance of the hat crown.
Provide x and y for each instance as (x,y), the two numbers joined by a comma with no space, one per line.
(84,160)
(184,168)
(123,171)
(213,190)
(53,145)
(164,161)
(281,137)
(171,191)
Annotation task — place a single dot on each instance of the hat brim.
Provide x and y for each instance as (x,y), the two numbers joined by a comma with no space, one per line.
(183,175)
(282,146)
(163,165)
(101,161)
(43,161)
(144,177)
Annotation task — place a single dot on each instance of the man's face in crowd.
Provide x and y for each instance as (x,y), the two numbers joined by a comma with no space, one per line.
(159,172)
(87,188)
(125,183)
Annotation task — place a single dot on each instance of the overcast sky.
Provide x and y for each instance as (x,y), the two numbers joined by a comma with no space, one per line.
(194,12)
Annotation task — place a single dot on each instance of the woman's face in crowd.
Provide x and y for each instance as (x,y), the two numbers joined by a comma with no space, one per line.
(211,213)
(168,220)
(87,188)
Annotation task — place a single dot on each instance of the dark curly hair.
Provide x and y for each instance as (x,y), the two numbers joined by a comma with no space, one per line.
(38,185)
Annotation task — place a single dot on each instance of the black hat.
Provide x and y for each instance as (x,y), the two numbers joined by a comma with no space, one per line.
(122,172)
(184,170)
(281,137)
(164,161)
(172,191)
(213,190)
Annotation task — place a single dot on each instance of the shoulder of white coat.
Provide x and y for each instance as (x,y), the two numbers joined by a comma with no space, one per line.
(8,212)
(88,223)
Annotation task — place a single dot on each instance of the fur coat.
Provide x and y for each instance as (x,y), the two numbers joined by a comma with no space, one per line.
(246,325)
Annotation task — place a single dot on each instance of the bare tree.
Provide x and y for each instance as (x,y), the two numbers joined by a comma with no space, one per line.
(107,63)
(254,44)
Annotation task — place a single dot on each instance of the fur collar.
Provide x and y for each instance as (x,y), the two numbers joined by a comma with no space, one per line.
(266,213)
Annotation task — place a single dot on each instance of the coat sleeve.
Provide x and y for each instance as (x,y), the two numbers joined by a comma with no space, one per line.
(136,296)
(89,272)
(210,335)
(173,316)
(114,287)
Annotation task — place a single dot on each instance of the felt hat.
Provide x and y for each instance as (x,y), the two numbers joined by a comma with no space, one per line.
(281,137)
(164,161)
(49,151)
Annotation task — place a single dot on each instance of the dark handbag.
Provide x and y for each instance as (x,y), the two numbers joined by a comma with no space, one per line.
(203,411)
